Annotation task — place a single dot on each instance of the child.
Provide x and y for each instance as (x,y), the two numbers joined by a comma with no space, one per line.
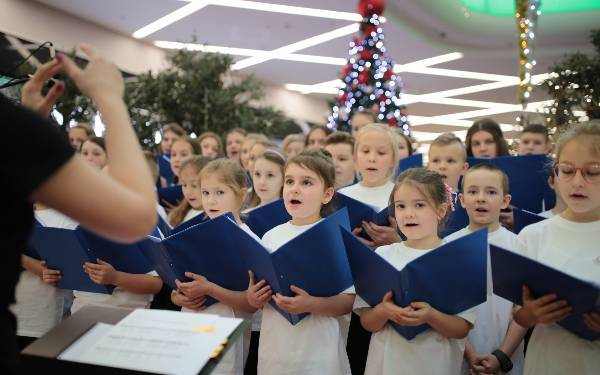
(315,345)
(293,144)
(224,189)
(485,192)
(39,304)
(191,205)
(420,203)
(211,145)
(485,140)
(360,119)
(448,157)
(182,149)
(257,149)
(569,242)
(79,134)
(405,148)
(94,151)
(233,143)
(376,155)
(341,147)
(250,140)
(315,139)
(169,134)
(267,178)
(534,140)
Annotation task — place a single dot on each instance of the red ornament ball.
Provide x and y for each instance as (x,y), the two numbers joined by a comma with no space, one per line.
(367,30)
(388,74)
(367,8)
(366,54)
(363,77)
(347,69)
(392,122)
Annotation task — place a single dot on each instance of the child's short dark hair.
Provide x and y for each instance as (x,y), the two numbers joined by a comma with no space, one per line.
(537,129)
(320,162)
(340,137)
(488,167)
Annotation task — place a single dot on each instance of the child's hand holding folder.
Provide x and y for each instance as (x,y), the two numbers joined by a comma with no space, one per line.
(101,273)
(546,309)
(258,294)
(302,302)
(48,275)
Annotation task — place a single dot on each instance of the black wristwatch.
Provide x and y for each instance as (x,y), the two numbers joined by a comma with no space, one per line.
(505,363)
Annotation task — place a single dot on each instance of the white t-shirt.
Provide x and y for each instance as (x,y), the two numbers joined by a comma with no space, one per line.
(374,196)
(495,315)
(572,248)
(191,214)
(427,353)
(547,214)
(233,361)
(39,306)
(314,346)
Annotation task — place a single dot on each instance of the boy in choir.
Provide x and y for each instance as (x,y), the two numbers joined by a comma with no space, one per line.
(534,140)
(341,147)
(448,157)
(496,341)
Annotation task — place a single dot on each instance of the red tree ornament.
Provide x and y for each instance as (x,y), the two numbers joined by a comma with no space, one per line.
(366,55)
(347,69)
(392,122)
(364,76)
(367,8)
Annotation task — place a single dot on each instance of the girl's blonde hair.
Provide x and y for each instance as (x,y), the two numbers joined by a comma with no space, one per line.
(587,129)
(177,214)
(274,156)
(390,134)
(429,183)
(205,135)
(291,138)
(228,172)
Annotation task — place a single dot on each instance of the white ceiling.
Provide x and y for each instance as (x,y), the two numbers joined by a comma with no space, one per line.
(415,30)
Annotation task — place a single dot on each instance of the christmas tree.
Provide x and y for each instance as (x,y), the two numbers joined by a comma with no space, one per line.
(369,83)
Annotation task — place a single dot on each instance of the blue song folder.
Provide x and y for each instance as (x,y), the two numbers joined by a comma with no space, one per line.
(314,261)
(412,161)
(164,167)
(67,250)
(171,195)
(263,219)
(527,177)
(359,211)
(510,271)
(523,218)
(457,220)
(451,278)
(210,249)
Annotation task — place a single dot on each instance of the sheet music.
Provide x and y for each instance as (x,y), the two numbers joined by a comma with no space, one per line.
(156,341)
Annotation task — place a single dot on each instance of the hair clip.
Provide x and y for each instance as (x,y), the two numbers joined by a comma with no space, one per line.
(451,196)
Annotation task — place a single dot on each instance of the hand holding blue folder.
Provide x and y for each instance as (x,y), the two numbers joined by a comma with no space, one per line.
(67,250)
(451,278)
(210,249)
(314,261)
(511,271)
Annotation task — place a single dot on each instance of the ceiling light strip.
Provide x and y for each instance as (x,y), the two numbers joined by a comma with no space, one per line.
(291,48)
(170,18)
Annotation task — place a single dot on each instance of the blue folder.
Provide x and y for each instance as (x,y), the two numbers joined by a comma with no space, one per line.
(171,195)
(164,168)
(523,218)
(527,176)
(412,161)
(164,227)
(451,278)
(359,211)
(209,249)
(315,261)
(267,217)
(67,250)
(457,220)
(510,271)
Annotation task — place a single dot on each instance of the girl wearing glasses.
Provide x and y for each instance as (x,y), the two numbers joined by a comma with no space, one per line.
(568,242)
